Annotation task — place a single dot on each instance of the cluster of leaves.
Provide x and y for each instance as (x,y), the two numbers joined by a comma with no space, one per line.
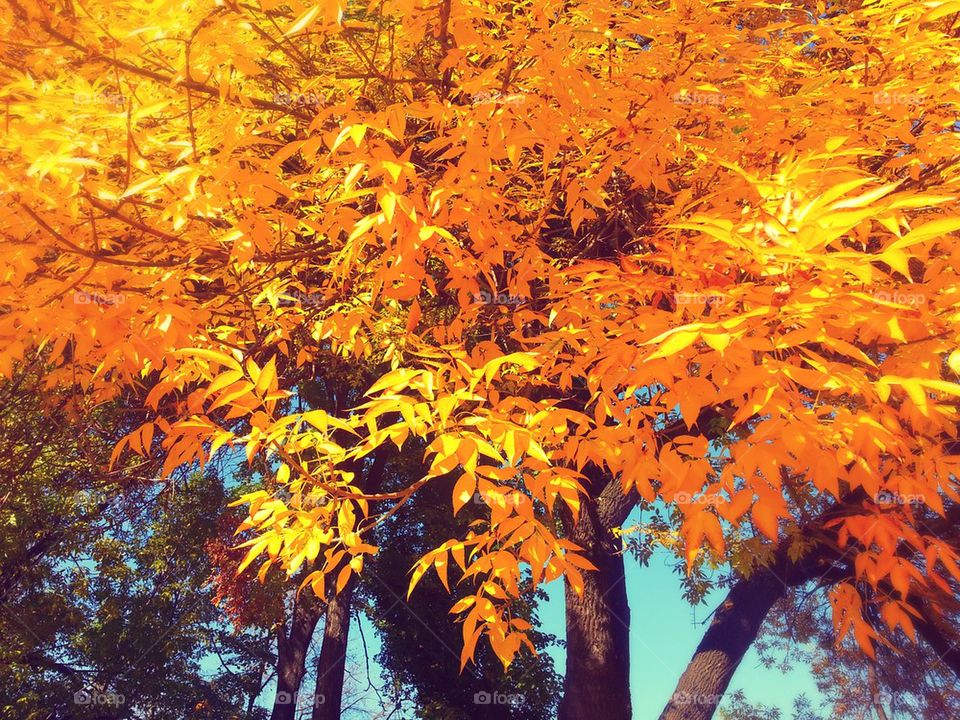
(420,627)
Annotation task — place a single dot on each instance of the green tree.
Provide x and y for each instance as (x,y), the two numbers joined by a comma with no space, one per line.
(421,639)
(107,609)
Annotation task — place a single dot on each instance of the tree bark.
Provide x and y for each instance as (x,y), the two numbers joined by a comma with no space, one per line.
(292,650)
(597,679)
(876,697)
(328,694)
(734,628)
(942,640)
(331,665)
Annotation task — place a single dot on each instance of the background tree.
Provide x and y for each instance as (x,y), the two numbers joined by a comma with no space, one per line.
(106,611)
(420,639)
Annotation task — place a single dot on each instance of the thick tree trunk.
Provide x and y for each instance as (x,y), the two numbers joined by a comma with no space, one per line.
(734,628)
(942,640)
(597,679)
(328,695)
(292,650)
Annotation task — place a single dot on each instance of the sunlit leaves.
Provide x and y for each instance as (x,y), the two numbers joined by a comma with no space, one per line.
(562,236)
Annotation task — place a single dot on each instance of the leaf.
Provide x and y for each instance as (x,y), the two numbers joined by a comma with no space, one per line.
(835,142)
(463,491)
(343,577)
(308,16)
(676,341)
(268,377)
(523,360)
(206,354)
(765,517)
(718,341)
(927,231)
(953,362)
(418,570)
(257,547)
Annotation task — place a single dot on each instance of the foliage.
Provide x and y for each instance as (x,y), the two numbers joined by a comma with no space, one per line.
(562,227)
(908,680)
(106,611)
(419,637)
(738,708)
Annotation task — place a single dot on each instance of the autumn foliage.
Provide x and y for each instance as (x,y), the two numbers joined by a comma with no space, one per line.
(706,248)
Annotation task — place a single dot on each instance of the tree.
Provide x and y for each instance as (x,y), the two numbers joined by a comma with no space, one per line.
(813,564)
(419,638)
(106,612)
(740,709)
(593,244)
(907,680)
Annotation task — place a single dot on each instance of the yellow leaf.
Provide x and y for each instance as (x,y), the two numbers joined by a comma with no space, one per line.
(835,142)
(257,546)
(717,341)
(677,342)
(353,175)
(524,360)
(953,362)
(389,203)
(207,354)
(463,491)
(357,132)
(932,229)
(305,19)
(394,169)
(268,376)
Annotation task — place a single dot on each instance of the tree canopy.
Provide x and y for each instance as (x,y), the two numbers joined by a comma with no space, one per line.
(699,255)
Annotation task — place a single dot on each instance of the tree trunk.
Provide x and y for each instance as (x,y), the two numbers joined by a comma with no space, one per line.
(942,640)
(734,627)
(292,653)
(328,695)
(597,679)
(875,694)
